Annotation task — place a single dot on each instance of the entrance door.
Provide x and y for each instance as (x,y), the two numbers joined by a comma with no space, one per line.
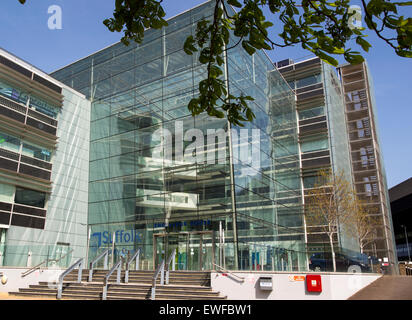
(194,250)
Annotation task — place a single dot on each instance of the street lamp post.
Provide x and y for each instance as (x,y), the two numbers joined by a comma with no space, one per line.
(407,244)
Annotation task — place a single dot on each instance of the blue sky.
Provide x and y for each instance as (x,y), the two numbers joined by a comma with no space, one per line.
(25,33)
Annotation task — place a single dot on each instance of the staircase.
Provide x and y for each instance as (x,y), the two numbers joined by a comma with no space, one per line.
(183,285)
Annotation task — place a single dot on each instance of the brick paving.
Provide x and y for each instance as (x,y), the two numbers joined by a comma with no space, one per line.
(387,288)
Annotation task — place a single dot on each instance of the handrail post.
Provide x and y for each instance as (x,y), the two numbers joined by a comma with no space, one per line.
(171,258)
(137,261)
(106,260)
(105,254)
(162,276)
(118,267)
(160,269)
(79,263)
(135,256)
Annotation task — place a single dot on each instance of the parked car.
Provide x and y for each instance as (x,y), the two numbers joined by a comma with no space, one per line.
(322,261)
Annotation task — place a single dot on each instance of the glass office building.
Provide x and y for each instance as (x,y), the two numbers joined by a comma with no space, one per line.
(162,180)
(237,189)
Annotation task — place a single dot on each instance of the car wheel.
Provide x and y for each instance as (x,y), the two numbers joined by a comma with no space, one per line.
(354,269)
(317,269)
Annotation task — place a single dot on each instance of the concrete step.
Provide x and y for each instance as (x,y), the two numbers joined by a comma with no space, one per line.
(121,285)
(149,281)
(204,282)
(176,274)
(191,285)
(117,289)
(95,294)
(53,295)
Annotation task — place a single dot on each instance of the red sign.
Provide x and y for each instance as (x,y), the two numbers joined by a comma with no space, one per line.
(314,283)
(296,278)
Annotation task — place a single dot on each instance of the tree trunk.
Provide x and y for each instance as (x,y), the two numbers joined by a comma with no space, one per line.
(333,252)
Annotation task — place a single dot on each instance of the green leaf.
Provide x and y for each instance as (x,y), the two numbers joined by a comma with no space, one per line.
(327,58)
(401,4)
(354,58)
(249,49)
(363,43)
(188,46)
(338,50)
(404,53)
(234,3)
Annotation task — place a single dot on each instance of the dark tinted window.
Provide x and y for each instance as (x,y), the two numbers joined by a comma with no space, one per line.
(30,197)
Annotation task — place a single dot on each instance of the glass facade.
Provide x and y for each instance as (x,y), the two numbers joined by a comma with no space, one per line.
(162,180)
(242,185)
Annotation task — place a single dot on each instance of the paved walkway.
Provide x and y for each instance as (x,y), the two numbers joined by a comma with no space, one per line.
(387,288)
(6,296)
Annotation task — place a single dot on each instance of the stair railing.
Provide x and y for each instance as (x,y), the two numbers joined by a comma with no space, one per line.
(118,267)
(229,272)
(38,266)
(104,254)
(167,266)
(136,257)
(80,264)
(160,270)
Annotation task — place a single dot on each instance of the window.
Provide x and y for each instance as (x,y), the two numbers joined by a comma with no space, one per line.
(310,181)
(30,198)
(36,152)
(310,113)
(13,93)
(315,143)
(9,142)
(6,193)
(307,81)
(43,107)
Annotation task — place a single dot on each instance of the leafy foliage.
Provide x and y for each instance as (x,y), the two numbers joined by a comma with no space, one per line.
(364,223)
(319,26)
(330,204)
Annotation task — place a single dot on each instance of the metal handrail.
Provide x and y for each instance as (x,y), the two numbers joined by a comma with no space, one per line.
(104,254)
(167,266)
(118,267)
(79,263)
(27,272)
(231,273)
(160,269)
(136,257)
(32,269)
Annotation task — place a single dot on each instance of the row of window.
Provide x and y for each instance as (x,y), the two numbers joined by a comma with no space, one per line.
(307,81)
(10,193)
(14,144)
(311,113)
(314,143)
(18,95)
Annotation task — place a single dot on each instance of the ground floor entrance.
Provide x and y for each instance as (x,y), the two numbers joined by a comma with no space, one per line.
(194,250)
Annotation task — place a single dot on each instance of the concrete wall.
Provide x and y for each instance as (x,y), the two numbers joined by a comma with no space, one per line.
(15,280)
(338,286)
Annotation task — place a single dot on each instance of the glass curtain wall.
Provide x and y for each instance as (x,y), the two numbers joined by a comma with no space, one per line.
(162,180)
